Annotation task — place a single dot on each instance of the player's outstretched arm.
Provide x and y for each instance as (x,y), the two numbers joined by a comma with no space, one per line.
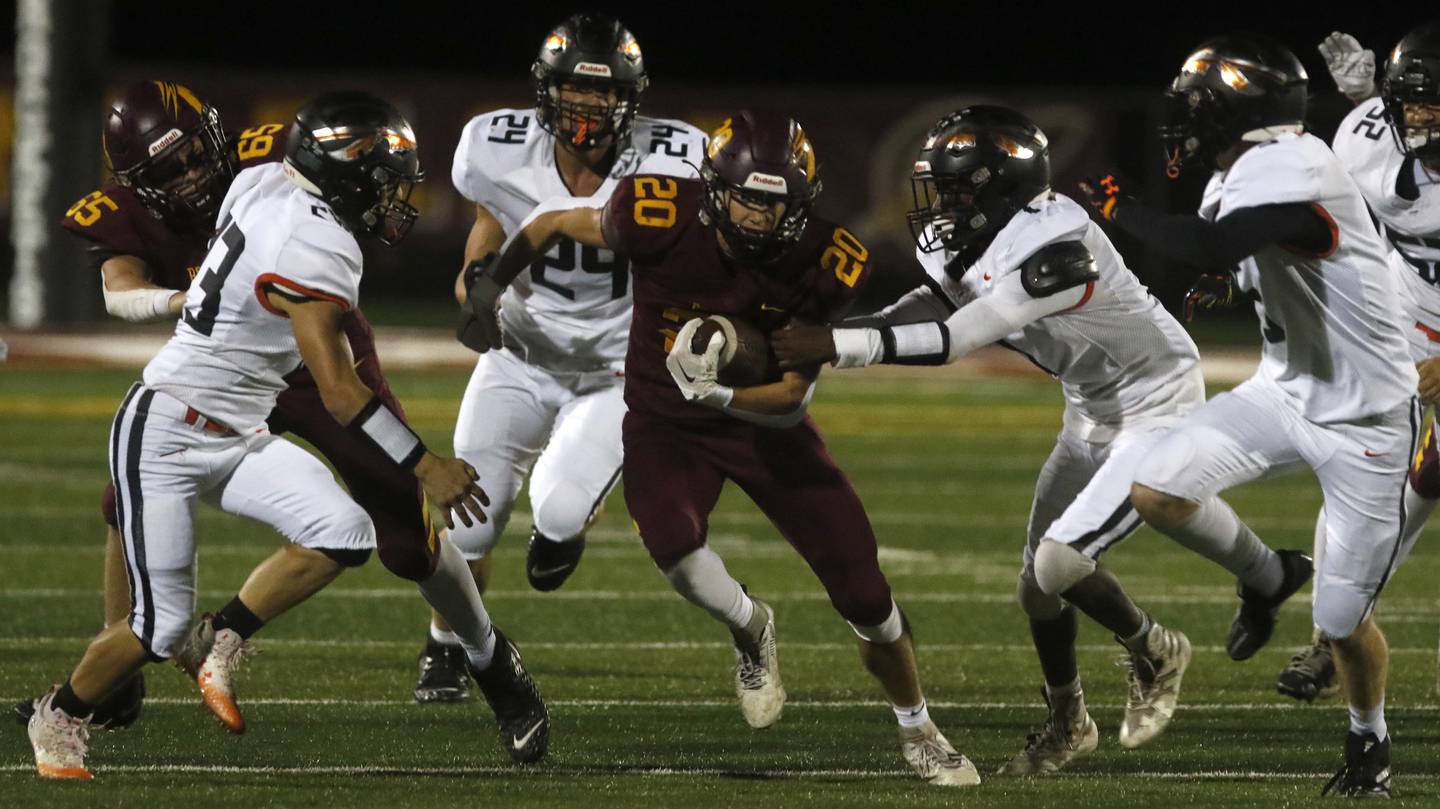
(486,237)
(130,294)
(486,279)
(448,482)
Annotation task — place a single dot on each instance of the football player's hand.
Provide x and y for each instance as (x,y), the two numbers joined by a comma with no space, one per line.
(1429,380)
(697,375)
(1106,193)
(479,328)
(1351,66)
(450,484)
(802,345)
(1210,291)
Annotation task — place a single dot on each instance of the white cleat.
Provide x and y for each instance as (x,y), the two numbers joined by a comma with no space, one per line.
(60,740)
(757,674)
(934,759)
(1069,734)
(1154,685)
(212,658)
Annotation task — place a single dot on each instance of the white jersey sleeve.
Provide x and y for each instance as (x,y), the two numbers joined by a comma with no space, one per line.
(1266,175)
(319,262)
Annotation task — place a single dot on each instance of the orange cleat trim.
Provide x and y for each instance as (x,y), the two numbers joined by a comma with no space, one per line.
(224,708)
(76,773)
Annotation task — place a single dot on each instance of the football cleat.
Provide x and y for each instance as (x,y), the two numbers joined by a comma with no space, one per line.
(60,740)
(1366,773)
(1154,685)
(118,711)
(757,673)
(1069,733)
(934,759)
(1255,620)
(211,658)
(443,676)
(1310,673)
(549,563)
(519,709)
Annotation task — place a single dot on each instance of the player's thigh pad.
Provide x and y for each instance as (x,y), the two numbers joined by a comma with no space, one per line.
(159,465)
(671,485)
(580,464)
(1362,471)
(289,489)
(1070,466)
(1236,437)
(1101,515)
(505,418)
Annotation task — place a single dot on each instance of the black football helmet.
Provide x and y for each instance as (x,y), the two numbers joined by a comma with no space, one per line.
(1234,88)
(1412,76)
(758,159)
(588,52)
(358,154)
(168,147)
(977,168)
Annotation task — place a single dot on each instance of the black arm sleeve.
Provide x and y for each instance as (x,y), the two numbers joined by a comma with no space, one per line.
(1239,234)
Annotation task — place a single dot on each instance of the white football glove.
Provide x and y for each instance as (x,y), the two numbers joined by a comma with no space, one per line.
(1352,66)
(697,374)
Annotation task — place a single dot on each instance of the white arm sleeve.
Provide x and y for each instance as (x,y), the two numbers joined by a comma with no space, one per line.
(1008,308)
(138,305)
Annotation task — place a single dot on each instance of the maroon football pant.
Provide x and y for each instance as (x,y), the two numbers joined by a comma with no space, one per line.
(674,474)
(1425,468)
(392,496)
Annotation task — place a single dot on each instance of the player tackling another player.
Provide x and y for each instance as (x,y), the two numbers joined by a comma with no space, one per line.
(271,294)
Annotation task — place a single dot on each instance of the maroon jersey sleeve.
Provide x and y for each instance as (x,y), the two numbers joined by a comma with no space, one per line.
(647,214)
(107,219)
(263,143)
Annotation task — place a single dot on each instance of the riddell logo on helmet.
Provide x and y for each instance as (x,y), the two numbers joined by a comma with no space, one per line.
(592,69)
(165,141)
(766,182)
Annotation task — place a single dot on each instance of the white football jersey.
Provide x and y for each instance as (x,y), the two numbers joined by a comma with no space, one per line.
(1331,322)
(1410,221)
(570,308)
(1122,360)
(231,349)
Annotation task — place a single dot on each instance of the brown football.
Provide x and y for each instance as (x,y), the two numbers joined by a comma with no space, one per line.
(745,357)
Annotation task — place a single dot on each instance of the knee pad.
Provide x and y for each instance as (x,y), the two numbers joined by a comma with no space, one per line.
(1058,567)
(347,557)
(564,512)
(1036,603)
(477,540)
(1338,610)
(887,631)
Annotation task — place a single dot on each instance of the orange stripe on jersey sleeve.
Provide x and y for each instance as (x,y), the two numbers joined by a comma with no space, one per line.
(1334,236)
(295,288)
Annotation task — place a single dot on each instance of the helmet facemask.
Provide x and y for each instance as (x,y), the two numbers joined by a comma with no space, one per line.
(584,113)
(1411,105)
(945,215)
(184,183)
(746,243)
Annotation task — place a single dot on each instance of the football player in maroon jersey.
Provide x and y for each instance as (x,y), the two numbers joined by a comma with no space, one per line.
(741,242)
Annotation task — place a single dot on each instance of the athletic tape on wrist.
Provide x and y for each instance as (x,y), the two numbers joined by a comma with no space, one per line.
(380,426)
(916,344)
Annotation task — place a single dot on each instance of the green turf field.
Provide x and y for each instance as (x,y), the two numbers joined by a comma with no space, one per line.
(637,680)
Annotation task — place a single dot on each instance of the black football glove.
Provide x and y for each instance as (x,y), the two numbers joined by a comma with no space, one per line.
(479,328)
(1106,193)
(1212,290)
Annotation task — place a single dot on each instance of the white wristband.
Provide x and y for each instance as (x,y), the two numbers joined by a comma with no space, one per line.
(382,428)
(138,305)
(856,348)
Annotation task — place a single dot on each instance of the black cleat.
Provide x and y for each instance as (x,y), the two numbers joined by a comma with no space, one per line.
(1255,620)
(118,711)
(519,709)
(550,563)
(442,674)
(1366,773)
(1310,673)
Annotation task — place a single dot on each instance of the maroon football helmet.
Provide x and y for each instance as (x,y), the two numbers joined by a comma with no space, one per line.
(168,147)
(757,160)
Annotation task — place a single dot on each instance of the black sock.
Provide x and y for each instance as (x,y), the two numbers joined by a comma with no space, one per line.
(238,617)
(1055,645)
(66,701)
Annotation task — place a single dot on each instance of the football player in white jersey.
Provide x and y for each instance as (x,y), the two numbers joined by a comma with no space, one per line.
(1390,144)
(547,395)
(1335,389)
(269,297)
(1009,261)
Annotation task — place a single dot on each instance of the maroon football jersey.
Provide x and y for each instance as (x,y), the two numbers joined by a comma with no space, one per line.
(116,223)
(679,273)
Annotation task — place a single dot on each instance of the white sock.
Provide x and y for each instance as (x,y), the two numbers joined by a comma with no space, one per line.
(702,579)
(1371,721)
(912,716)
(1216,533)
(451,591)
(443,636)
(1417,511)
